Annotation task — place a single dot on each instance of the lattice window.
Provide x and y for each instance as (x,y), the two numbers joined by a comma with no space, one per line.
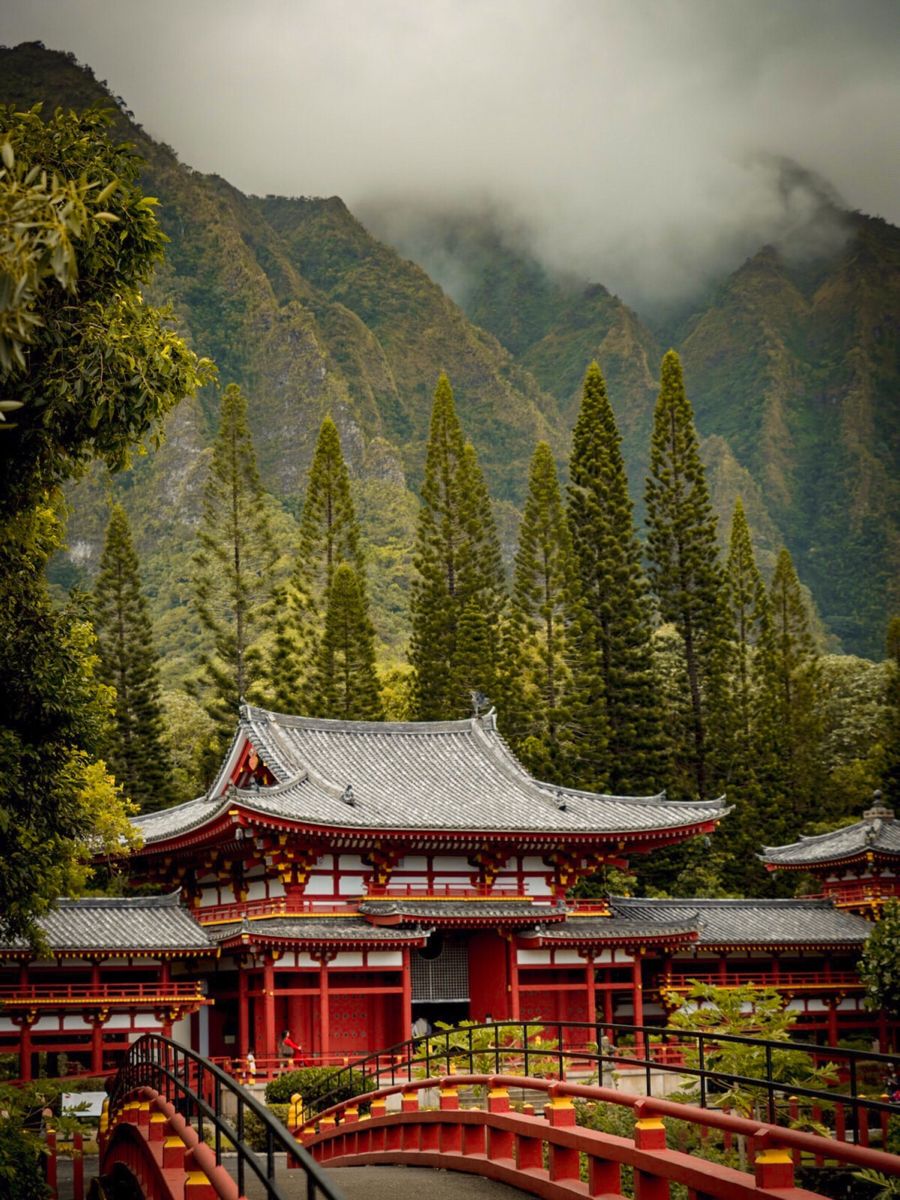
(441,979)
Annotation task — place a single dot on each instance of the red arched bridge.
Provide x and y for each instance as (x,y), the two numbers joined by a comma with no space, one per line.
(501,1102)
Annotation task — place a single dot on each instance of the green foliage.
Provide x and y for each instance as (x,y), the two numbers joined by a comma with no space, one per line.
(448,1049)
(613,590)
(94,376)
(752,1012)
(890,764)
(315,1085)
(233,568)
(128,665)
(329,537)
(21,1172)
(189,741)
(345,684)
(684,568)
(58,806)
(789,733)
(457,560)
(879,968)
(544,604)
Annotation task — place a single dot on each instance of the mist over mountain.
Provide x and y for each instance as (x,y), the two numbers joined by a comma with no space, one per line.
(791,351)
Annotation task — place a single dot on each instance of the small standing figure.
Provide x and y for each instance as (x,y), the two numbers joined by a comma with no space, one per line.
(288,1050)
(250,1068)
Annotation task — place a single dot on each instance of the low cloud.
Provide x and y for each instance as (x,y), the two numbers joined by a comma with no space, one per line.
(640,142)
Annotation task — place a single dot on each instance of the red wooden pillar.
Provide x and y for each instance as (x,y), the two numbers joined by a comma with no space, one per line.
(269,1047)
(405,995)
(591,994)
(243,1010)
(97,1045)
(25,1051)
(723,968)
(513,985)
(165,973)
(637,992)
(97,1022)
(325,1008)
(608,1000)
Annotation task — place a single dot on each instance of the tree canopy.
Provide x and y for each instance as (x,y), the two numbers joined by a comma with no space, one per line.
(94,367)
(93,370)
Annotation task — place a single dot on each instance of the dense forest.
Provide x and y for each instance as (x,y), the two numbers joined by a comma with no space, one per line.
(371,506)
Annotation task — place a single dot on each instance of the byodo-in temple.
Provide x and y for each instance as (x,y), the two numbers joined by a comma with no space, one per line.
(342,879)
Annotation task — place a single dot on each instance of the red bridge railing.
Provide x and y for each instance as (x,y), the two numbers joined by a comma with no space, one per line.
(550,1155)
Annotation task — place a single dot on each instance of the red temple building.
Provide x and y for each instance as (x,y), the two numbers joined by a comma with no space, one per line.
(341,879)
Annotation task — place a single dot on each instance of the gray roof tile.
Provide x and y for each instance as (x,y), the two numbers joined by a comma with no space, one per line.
(753,922)
(316,932)
(451,775)
(454,910)
(872,833)
(142,923)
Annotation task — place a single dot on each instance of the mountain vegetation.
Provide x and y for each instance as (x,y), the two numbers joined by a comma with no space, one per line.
(129,666)
(262,581)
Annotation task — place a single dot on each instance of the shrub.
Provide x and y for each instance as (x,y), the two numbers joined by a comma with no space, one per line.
(317,1083)
(21,1177)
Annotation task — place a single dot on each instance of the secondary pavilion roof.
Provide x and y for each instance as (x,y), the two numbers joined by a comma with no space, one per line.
(443,914)
(311,932)
(456,776)
(877,834)
(143,926)
(751,924)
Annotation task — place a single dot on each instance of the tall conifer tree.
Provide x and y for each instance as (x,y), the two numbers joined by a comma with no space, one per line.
(890,739)
(684,567)
(614,592)
(745,597)
(457,560)
(790,721)
(329,536)
(543,608)
(345,683)
(741,836)
(233,568)
(128,663)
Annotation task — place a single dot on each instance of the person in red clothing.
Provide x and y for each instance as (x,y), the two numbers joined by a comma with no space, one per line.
(288,1051)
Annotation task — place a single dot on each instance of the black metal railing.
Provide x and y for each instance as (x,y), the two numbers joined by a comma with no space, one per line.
(556,1048)
(196,1088)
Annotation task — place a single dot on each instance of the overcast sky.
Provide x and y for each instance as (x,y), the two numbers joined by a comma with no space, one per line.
(636,139)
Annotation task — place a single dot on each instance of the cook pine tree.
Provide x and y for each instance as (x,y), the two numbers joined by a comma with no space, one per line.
(789,723)
(685,574)
(741,836)
(344,683)
(457,562)
(232,569)
(549,676)
(128,663)
(329,535)
(613,588)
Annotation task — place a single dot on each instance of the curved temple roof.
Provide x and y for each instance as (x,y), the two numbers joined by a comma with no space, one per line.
(132,925)
(447,775)
(878,833)
(725,923)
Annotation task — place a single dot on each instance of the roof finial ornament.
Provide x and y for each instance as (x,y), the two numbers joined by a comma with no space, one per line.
(479,701)
(561,801)
(347,796)
(879,811)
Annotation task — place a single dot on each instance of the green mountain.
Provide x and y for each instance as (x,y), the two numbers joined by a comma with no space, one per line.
(793,367)
(311,315)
